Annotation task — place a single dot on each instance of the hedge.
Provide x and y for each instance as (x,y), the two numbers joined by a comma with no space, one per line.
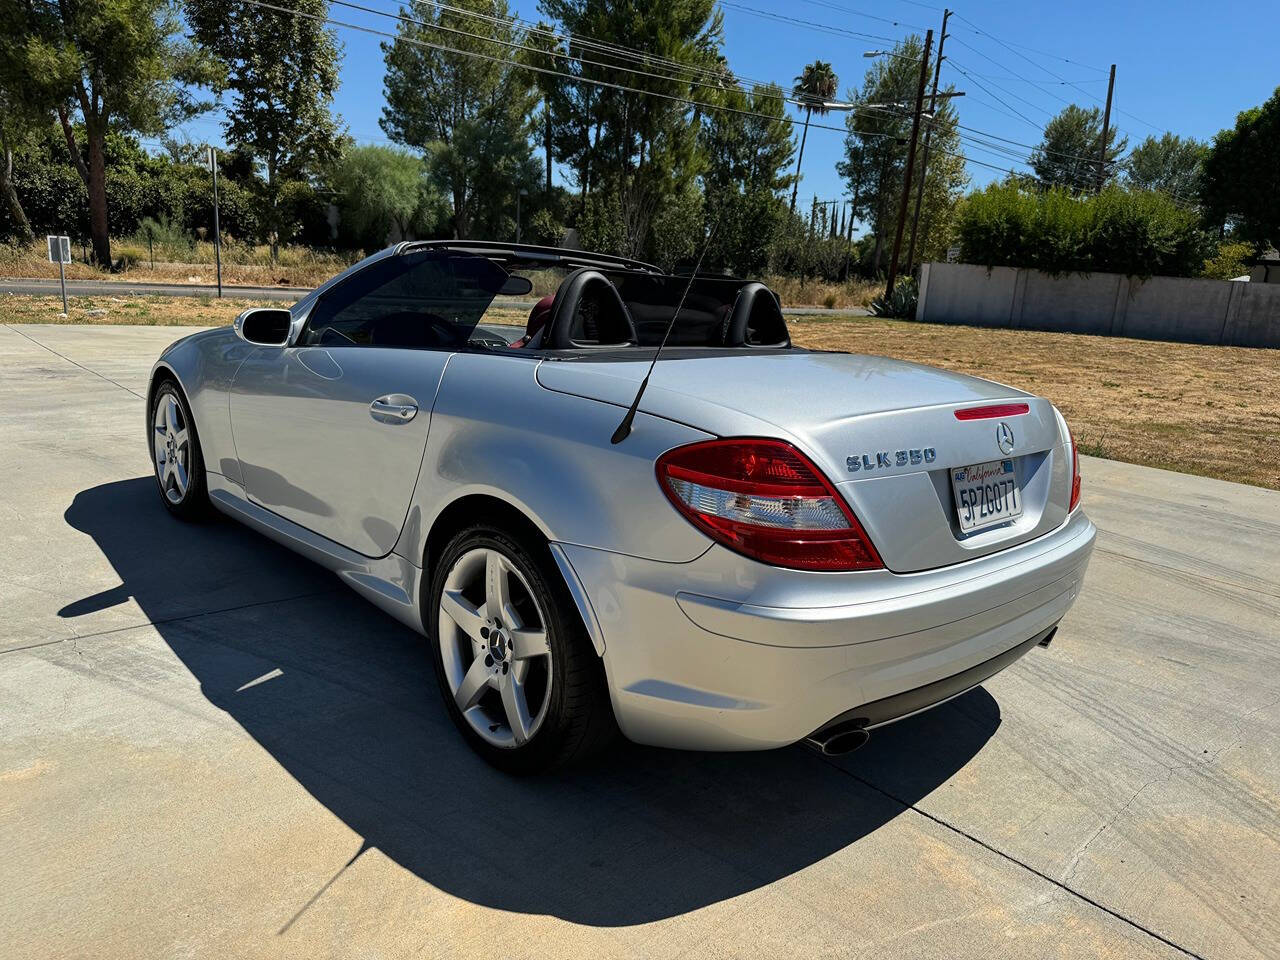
(1141,233)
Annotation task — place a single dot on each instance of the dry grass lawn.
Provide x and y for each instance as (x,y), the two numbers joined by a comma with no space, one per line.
(150,311)
(1213,411)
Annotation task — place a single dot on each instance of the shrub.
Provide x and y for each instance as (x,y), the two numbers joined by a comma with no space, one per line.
(1136,232)
(1228,261)
(544,229)
(902,304)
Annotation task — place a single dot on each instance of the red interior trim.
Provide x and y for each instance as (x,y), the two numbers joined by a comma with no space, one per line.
(993,412)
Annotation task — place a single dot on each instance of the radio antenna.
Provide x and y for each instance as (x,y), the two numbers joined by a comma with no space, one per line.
(624,428)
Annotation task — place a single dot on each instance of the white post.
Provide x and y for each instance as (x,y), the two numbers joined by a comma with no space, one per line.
(62,279)
(217,235)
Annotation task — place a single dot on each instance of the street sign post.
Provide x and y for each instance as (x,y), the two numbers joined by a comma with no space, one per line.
(60,253)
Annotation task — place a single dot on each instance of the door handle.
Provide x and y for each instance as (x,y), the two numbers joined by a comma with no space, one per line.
(394,408)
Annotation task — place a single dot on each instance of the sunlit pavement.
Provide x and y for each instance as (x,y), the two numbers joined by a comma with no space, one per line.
(209,747)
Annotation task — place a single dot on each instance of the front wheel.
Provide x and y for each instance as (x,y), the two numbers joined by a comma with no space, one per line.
(518,674)
(175,454)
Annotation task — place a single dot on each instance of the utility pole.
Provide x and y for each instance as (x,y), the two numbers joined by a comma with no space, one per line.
(1106,130)
(911,162)
(928,135)
(217,234)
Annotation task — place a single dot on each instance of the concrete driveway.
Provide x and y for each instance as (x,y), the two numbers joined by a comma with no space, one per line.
(209,747)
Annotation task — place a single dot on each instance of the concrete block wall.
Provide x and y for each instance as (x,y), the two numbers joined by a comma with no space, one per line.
(1110,304)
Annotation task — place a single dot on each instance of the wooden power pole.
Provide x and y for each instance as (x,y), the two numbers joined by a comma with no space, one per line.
(928,135)
(911,162)
(1106,131)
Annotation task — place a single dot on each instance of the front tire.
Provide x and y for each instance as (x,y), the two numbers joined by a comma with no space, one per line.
(176,459)
(516,669)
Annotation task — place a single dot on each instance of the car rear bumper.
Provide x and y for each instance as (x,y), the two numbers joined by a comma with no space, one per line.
(722,653)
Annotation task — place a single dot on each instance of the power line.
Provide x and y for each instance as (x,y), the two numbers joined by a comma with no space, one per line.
(807,24)
(1014,110)
(1006,78)
(1042,84)
(859,13)
(513,45)
(622,87)
(612,49)
(611,84)
(580,79)
(1009,44)
(1035,83)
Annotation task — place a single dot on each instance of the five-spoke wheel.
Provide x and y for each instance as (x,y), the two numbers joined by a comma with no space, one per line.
(172,447)
(175,453)
(518,674)
(493,641)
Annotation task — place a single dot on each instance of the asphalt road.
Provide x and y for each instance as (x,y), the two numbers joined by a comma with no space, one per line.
(86,288)
(209,747)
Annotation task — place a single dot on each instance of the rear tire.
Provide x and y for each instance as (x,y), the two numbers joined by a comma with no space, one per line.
(176,460)
(517,671)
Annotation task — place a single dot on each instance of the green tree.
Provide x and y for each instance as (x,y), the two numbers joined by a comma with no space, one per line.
(1170,164)
(875,157)
(20,119)
(469,116)
(815,86)
(641,148)
(15,131)
(1241,179)
(745,177)
(1068,154)
(545,52)
(118,64)
(281,69)
(380,188)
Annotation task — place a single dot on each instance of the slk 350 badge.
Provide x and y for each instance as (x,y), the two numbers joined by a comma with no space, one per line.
(886,458)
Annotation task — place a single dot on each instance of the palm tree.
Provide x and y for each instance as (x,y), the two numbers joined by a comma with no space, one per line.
(814,87)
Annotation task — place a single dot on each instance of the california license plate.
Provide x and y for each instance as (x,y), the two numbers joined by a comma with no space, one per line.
(986,494)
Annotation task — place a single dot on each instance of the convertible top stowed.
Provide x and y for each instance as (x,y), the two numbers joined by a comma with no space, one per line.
(531,255)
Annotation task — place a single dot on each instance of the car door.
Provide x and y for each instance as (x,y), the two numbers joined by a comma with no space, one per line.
(330,430)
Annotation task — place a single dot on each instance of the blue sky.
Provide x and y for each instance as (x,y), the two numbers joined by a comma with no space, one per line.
(1181,66)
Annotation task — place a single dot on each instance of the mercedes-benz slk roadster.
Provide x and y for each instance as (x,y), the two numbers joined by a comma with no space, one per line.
(644,511)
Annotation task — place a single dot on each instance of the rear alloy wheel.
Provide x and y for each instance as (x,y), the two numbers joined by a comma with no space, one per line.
(175,454)
(519,677)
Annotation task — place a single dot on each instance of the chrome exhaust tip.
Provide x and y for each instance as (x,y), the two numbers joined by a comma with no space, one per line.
(838,740)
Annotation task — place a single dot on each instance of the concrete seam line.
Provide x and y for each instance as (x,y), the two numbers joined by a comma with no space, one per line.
(1014,860)
(164,620)
(69,360)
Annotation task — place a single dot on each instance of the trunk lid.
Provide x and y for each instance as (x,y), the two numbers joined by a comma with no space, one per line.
(884,431)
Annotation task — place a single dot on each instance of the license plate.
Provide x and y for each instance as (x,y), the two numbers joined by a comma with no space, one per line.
(986,494)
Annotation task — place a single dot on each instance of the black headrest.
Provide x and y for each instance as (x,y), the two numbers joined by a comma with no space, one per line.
(588,312)
(756,320)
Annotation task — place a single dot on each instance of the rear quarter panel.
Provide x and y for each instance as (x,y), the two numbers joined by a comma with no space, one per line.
(495,431)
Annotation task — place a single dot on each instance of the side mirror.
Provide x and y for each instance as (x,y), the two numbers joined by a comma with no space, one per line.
(266,326)
(515,286)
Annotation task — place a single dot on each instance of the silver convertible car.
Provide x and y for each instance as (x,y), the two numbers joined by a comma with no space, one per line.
(772,545)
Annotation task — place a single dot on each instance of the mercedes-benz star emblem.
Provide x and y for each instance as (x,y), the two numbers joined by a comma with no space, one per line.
(1004,438)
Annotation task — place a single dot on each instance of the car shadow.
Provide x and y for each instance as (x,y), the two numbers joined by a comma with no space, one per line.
(345,700)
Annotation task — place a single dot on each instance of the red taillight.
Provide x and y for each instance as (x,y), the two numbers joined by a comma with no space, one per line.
(765,500)
(993,412)
(1075,472)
